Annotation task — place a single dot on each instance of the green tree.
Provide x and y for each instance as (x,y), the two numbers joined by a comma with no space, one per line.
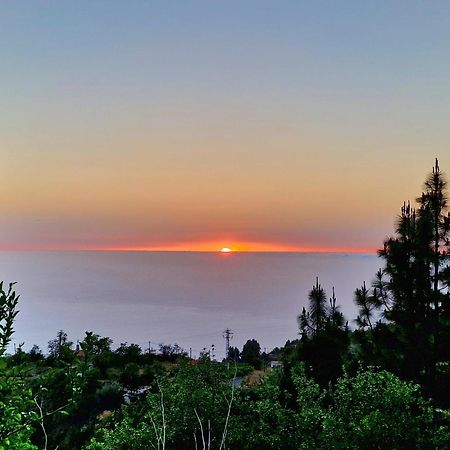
(375,410)
(17,413)
(260,421)
(186,408)
(94,345)
(130,377)
(8,312)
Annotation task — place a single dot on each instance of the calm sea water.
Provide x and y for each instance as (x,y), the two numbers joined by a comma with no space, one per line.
(168,297)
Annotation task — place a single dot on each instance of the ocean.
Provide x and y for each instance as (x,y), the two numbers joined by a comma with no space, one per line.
(153,298)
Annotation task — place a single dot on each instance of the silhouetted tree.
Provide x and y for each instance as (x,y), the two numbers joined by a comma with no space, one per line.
(324,342)
(366,307)
(251,353)
(129,353)
(233,354)
(313,320)
(171,352)
(36,354)
(335,318)
(55,346)
(413,288)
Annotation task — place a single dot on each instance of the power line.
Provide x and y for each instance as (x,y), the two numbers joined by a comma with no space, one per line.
(228,335)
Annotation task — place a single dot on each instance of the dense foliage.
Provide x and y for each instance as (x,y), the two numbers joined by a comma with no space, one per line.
(369,410)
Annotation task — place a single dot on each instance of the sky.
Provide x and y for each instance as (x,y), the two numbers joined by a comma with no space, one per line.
(192,125)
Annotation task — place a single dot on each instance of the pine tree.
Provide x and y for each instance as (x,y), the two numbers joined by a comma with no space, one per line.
(324,343)
(366,306)
(314,320)
(413,288)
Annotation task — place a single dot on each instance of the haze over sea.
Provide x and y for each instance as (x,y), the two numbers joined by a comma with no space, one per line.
(175,297)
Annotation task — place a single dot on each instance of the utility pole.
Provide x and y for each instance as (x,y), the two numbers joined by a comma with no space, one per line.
(149,347)
(227,335)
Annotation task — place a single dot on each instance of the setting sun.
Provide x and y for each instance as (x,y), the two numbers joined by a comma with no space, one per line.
(225,250)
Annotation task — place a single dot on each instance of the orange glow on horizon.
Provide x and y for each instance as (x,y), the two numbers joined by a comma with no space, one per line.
(245,247)
(214,246)
(241,247)
(208,246)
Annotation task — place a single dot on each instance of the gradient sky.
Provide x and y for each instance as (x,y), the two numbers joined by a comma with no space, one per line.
(192,125)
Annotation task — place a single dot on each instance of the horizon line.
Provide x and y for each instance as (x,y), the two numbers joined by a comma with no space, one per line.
(337,250)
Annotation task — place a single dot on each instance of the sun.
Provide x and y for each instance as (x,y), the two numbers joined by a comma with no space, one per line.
(225,250)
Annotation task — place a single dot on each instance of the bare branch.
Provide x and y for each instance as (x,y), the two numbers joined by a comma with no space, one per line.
(225,428)
(41,421)
(201,429)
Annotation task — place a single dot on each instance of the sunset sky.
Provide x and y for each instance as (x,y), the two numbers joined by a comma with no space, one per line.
(197,125)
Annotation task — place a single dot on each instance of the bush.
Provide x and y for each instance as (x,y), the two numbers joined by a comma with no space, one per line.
(378,410)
